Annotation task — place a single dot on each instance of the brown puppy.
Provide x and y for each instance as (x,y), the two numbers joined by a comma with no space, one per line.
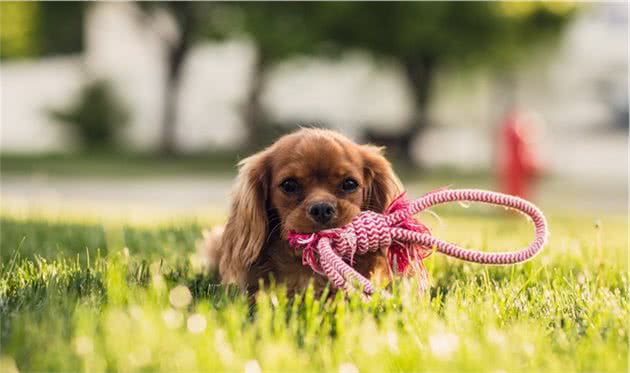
(306,181)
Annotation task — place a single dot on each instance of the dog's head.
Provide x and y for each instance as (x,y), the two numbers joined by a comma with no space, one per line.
(307,181)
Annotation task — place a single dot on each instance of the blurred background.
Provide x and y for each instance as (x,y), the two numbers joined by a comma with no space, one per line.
(145,108)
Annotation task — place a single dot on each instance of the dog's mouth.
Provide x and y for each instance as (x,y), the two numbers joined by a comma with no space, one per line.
(316,227)
(311,229)
(299,222)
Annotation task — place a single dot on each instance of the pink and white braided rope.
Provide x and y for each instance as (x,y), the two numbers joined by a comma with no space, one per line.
(369,231)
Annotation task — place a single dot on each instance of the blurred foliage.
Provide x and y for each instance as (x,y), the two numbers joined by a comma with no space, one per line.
(34,29)
(280,31)
(442,31)
(424,37)
(402,30)
(95,116)
(192,21)
(204,19)
(428,37)
(412,32)
(17,34)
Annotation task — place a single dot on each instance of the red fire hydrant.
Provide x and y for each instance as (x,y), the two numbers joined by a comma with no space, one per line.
(518,161)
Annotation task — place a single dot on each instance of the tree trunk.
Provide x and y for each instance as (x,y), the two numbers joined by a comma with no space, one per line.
(169,115)
(176,56)
(420,73)
(253,113)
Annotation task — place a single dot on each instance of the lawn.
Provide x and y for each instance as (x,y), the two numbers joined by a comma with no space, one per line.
(117,164)
(87,295)
(124,165)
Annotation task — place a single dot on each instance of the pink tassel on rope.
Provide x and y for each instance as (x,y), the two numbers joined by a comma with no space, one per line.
(401,255)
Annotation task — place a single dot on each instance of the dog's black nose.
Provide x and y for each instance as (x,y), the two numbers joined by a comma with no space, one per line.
(321,212)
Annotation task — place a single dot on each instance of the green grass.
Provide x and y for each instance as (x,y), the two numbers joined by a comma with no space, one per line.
(121,164)
(115,163)
(77,296)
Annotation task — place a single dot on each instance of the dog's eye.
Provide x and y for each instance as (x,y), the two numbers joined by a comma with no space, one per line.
(290,186)
(349,185)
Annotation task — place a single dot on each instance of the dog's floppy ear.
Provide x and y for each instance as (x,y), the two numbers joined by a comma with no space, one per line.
(247,227)
(382,183)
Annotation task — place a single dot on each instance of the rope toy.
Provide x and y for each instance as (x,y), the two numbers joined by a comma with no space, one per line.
(404,239)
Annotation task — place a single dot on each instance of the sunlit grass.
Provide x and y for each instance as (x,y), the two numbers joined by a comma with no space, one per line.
(88,296)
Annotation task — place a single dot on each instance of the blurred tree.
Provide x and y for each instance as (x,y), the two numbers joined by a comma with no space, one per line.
(34,29)
(428,36)
(423,36)
(95,116)
(193,21)
(278,31)
(177,47)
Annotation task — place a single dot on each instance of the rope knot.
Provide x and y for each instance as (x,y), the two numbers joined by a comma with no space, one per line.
(369,231)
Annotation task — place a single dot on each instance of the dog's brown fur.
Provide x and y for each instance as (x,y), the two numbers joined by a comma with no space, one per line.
(254,244)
